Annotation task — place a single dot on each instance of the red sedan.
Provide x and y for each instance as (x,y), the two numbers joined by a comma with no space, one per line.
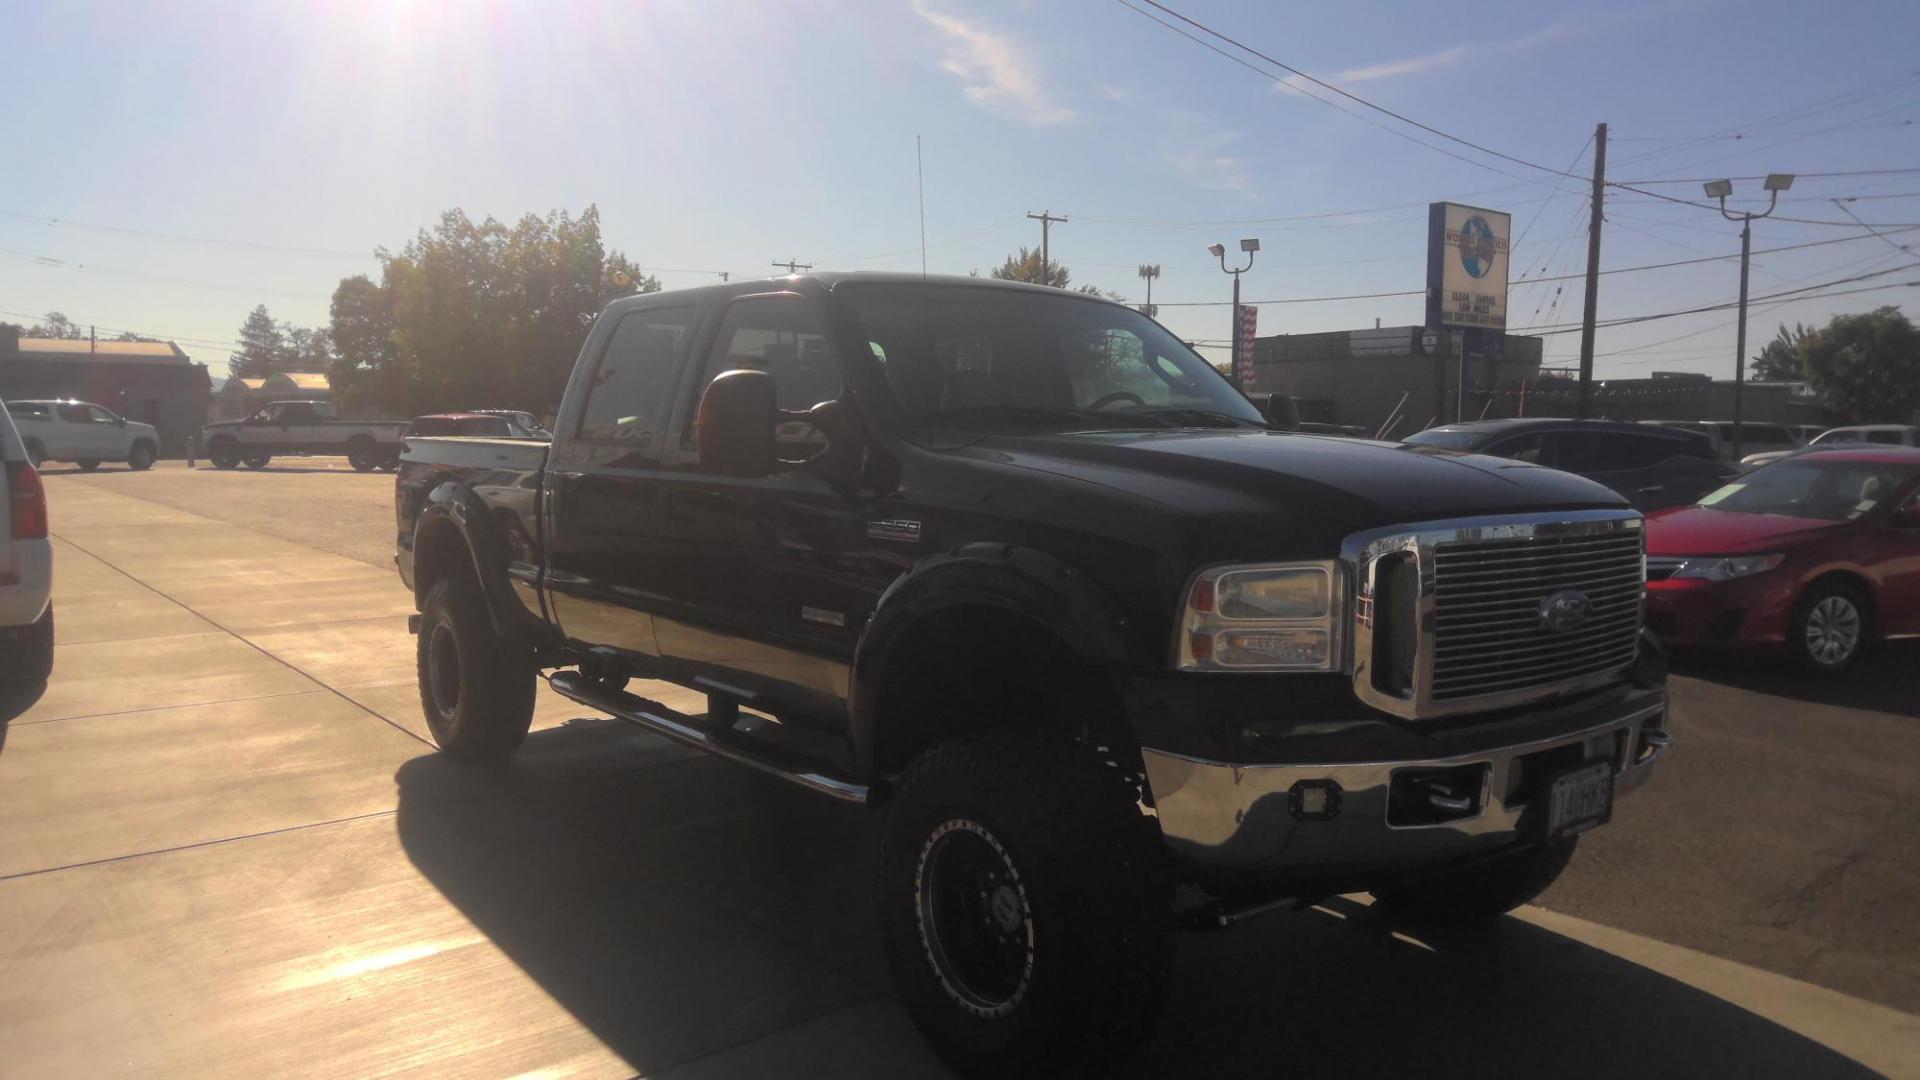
(1819,552)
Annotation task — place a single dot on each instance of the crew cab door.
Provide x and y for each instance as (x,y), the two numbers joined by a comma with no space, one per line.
(106,434)
(775,578)
(606,573)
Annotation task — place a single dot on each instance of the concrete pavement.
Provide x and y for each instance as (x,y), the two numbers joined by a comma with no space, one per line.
(227,849)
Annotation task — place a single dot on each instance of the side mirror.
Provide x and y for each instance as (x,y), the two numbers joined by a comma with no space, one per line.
(119,421)
(1280,411)
(734,429)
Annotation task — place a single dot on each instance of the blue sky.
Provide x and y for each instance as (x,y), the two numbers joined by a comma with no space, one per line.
(171,165)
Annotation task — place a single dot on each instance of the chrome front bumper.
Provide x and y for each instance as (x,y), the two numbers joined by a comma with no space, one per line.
(1247,818)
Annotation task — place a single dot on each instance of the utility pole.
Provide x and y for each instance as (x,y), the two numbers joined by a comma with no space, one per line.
(1046,220)
(793,266)
(1593,271)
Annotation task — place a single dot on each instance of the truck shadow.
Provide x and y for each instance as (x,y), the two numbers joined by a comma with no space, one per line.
(678,906)
(1882,680)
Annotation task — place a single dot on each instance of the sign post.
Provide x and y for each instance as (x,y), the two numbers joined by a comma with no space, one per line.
(1467,254)
(1243,347)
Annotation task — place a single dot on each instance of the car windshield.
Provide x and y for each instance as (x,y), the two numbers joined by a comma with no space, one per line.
(995,357)
(1826,490)
(1446,440)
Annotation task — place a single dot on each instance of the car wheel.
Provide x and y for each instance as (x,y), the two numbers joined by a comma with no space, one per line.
(1024,905)
(88,464)
(224,453)
(36,453)
(360,454)
(256,460)
(141,458)
(475,687)
(1483,891)
(1830,626)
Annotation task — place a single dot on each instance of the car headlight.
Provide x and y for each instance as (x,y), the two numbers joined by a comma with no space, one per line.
(1726,568)
(1267,617)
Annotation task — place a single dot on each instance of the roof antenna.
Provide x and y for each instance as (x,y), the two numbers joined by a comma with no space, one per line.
(920,168)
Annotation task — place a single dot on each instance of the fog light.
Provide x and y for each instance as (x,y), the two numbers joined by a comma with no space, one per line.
(1290,648)
(1314,800)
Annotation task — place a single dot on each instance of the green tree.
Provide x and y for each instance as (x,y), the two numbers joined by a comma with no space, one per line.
(307,349)
(263,346)
(1867,366)
(476,314)
(55,325)
(1026,266)
(1780,360)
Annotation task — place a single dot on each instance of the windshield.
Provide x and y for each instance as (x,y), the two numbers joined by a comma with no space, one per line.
(1829,491)
(1446,440)
(968,356)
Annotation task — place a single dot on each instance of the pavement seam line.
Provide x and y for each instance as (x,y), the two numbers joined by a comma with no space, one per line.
(197,844)
(163,708)
(250,643)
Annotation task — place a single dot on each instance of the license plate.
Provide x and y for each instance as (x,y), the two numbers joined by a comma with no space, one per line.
(1580,800)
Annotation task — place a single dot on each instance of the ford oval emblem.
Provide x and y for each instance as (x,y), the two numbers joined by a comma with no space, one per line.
(1565,610)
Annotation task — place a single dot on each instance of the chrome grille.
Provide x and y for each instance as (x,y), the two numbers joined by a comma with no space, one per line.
(1489,629)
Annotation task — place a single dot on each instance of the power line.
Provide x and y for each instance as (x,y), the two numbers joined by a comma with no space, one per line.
(179,238)
(1573,328)
(1796,176)
(1355,98)
(139,333)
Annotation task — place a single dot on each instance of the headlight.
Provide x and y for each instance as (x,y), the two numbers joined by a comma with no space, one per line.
(1270,617)
(1726,568)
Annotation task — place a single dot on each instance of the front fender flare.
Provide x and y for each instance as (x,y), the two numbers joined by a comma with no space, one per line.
(1022,581)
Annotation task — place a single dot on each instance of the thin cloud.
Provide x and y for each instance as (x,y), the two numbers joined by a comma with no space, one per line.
(1442,59)
(1197,149)
(1110,92)
(995,73)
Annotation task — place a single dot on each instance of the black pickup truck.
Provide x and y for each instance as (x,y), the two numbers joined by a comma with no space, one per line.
(1018,568)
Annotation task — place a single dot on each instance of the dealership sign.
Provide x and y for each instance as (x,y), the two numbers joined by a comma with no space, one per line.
(1467,266)
(1243,360)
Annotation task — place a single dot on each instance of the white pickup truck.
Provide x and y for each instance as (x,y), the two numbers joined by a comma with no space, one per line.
(26,574)
(303,427)
(82,432)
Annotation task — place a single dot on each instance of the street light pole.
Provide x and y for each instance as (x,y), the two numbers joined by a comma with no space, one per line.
(1250,246)
(1720,189)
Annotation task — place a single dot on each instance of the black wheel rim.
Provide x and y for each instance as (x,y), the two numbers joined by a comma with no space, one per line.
(976,922)
(443,671)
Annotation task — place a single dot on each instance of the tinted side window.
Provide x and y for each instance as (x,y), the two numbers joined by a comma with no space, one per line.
(74,414)
(1528,448)
(99,415)
(1890,437)
(1609,451)
(632,388)
(1772,433)
(780,335)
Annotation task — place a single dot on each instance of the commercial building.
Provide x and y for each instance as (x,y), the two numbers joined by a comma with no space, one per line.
(150,381)
(1362,377)
(235,397)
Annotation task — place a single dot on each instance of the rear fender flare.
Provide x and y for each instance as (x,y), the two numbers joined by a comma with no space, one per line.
(453,506)
(1021,581)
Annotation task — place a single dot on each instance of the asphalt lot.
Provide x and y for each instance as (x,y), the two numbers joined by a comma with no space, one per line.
(226,848)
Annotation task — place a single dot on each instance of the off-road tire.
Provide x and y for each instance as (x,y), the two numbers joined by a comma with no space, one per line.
(224,453)
(142,456)
(1082,868)
(1483,891)
(87,464)
(1824,611)
(480,708)
(256,460)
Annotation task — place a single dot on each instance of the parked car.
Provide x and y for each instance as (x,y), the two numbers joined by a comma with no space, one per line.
(522,418)
(26,569)
(1859,434)
(303,427)
(1021,569)
(1805,433)
(1652,467)
(83,433)
(474,425)
(1755,437)
(1819,552)
(1711,431)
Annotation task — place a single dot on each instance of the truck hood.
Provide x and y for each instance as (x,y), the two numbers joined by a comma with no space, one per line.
(1702,530)
(1343,485)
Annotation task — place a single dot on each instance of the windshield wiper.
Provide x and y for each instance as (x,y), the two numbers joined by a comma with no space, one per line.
(1038,414)
(1179,417)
